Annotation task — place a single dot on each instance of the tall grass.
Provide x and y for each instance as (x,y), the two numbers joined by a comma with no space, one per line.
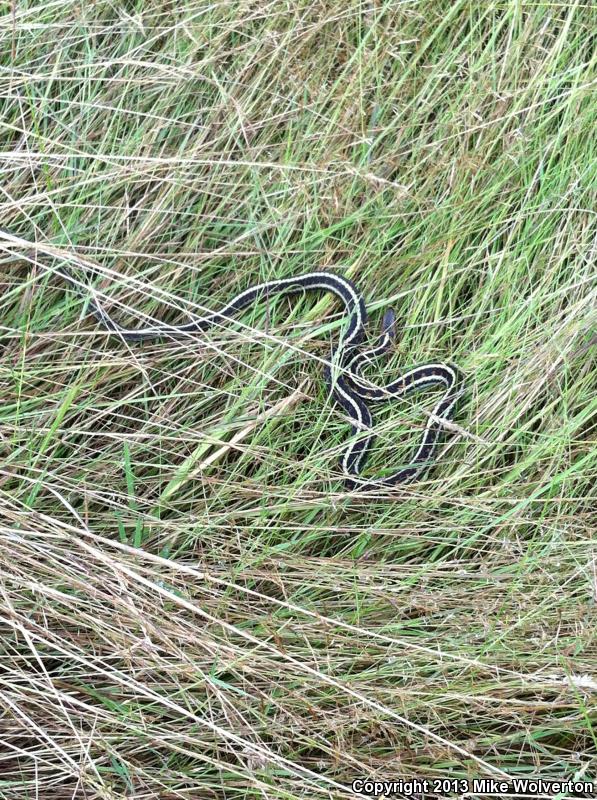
(191,604)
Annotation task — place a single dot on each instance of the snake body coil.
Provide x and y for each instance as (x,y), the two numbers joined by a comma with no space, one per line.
(342,374)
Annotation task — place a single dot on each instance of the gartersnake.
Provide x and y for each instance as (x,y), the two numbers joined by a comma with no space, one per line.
(342,373)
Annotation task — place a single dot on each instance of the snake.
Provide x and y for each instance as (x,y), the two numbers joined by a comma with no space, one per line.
(342,374)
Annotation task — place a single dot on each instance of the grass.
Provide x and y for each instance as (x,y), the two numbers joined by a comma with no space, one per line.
(191,605)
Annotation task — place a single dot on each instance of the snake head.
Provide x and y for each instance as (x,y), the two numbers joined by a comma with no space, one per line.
(388,324)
